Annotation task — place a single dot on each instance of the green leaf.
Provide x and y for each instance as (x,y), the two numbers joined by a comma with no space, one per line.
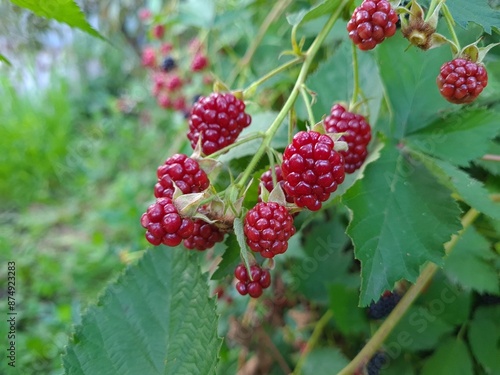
(491,165)
(230,259)
(324,262)
(146,322)
(349,318)
(415,99)
(469,189)
(338,71)
(326,7)
(459,138)
(419,329)
(478,11)
(484,336)
(324,361)
(451,357)
(66,11)
(240,237)
(401,217)
(470,263)
(199,13)
(5,60)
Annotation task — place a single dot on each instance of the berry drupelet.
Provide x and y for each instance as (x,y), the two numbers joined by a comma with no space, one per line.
(261,279)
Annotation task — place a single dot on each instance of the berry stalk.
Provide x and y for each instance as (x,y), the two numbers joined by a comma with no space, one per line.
(309,59)
(410,296)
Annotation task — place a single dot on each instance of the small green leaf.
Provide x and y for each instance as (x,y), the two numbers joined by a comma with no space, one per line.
(240,237)
(415,100)
(349,318)
(451,357)
(326,7)
(484,336)
(401,217)
(5,60)
(470,263)
(469,189)
(66,11)
(230,259)
(146,321)
(324,361)
(478,11)
(458,138)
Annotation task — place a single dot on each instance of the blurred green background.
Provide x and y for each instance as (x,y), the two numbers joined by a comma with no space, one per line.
(79,136)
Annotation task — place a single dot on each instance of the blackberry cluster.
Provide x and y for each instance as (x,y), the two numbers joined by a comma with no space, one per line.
(461,81)
(312,169)
(384,306)
(218,120)
(205,236)
(371,23)
(260,279)
(165,225)
(358,135)
(184,172)
(268,227)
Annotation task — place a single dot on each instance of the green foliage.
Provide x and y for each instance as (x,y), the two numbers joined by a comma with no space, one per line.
(484,333)
(4,59)
(451,357)
(66,11)
(390,226)
(146,321)
(483,13)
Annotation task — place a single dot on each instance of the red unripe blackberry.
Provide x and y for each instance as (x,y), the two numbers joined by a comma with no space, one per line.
(145,14)
(204,236)
(148,57)
(267,180)
(268,227)
(158,31)
(312,169)
(164,100)
(371,23)
(358,135)
(166,48)
(200,62)
(185,172)
(173,82)
(165,225)
(218,119)
(461,81)
(261,279)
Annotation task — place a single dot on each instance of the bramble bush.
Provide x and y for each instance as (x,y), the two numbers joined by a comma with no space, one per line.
(344,191)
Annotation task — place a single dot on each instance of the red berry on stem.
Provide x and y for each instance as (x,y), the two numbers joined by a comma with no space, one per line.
(204,236)
(461,81)
(165,225)
(268,227)
(312,169)
(148,57)
(200,62)
(218,119)
(371,23)
(261,279)
(184,172)
(158,31)
(358,135)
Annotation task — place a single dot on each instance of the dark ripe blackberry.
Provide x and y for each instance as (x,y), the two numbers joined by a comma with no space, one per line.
(376,363)
(168,64)
(384,306)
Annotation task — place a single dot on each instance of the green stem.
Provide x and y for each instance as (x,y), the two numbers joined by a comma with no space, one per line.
(451,26)
(313,340)
(250,89)
(307,103)
(402,307)
(355,68)
(309,59)
(275,12)
(246,139)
